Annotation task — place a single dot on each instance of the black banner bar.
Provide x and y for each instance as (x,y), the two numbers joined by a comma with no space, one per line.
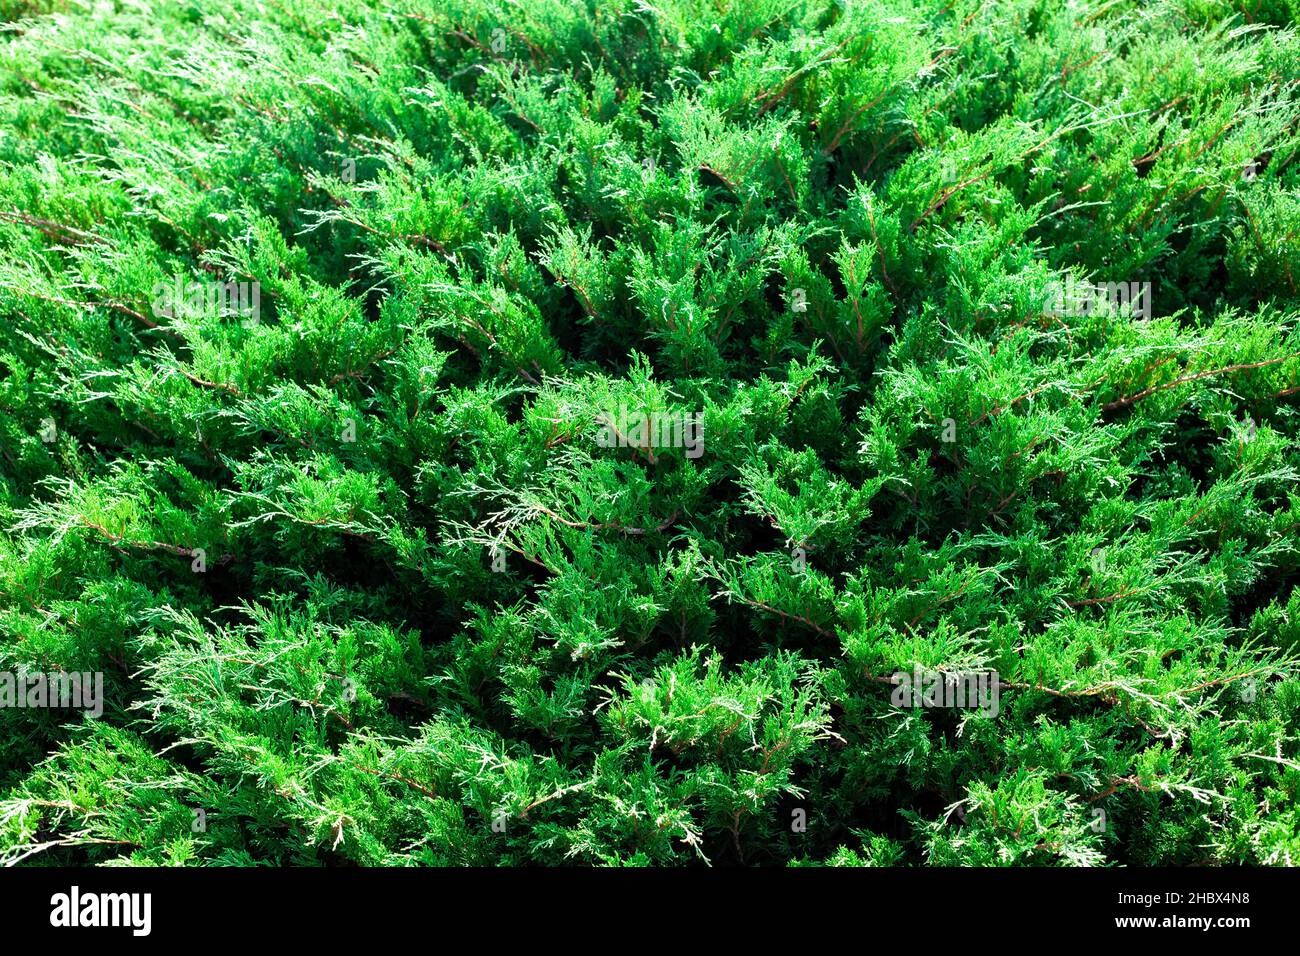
(329,907)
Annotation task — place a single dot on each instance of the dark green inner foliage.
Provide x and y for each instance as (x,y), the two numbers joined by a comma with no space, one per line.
(375,551)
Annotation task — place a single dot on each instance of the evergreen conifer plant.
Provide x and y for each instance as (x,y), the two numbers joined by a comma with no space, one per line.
(539,432)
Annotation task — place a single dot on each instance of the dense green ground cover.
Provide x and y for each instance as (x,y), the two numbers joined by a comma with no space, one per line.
(368,586)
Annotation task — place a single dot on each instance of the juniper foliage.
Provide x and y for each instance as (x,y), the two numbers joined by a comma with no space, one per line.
(364,584)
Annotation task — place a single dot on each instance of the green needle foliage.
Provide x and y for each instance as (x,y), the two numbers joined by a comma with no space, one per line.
(605,399)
